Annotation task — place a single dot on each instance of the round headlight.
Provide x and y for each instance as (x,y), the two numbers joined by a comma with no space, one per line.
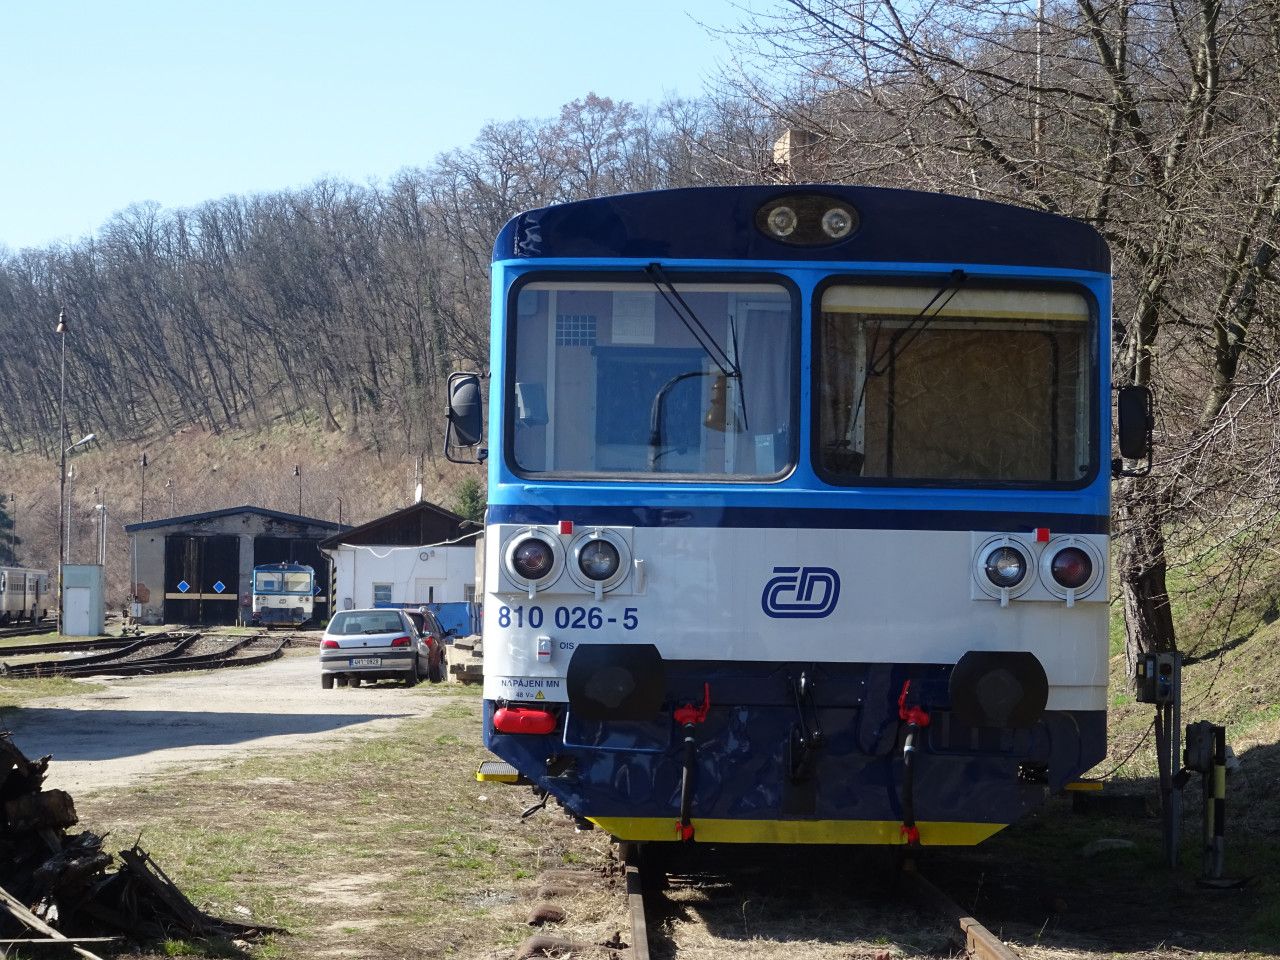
(532,559)
(599,560)
(837,222)
(1005,566)
(782,221)
(1071,568)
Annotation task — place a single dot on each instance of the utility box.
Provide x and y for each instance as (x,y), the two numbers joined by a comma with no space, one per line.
(1157,677)
(83,604)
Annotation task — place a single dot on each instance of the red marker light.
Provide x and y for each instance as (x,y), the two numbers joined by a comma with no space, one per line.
(523,720)
(566,527)
(1042,534)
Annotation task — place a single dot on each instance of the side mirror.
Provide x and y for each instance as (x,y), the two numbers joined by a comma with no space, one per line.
(1135,421)
(465,415)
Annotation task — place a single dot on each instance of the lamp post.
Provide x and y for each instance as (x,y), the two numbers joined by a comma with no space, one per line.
(297,472)
(339,511)
(102,533)
(64,516)
(142,506)
(168,485)
(61,331)
(13,528)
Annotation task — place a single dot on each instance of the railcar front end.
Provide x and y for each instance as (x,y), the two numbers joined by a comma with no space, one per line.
(283,594)
(798,512)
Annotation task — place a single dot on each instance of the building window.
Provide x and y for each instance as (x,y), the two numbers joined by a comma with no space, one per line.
(575,330)
(469,593)
(381,593)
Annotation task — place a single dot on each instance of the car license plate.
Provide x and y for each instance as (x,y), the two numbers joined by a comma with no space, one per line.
(365,662)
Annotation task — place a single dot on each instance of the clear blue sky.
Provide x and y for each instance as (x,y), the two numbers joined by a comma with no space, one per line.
(110,103)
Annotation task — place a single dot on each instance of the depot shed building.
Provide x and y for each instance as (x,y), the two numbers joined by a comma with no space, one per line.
(421,554)
(198,569)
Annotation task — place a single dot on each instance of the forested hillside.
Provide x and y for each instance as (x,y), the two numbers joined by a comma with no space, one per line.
(340,303)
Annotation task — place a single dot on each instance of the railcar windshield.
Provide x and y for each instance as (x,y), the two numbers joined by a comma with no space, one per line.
(636,378)
(281,581)
(986,386)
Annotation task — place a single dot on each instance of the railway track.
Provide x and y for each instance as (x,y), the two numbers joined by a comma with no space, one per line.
(157,653)
(64,646)
(647,883)
(27,629)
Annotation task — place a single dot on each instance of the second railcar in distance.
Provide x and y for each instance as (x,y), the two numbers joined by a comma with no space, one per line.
(24,594)
(798,512)
(283,594)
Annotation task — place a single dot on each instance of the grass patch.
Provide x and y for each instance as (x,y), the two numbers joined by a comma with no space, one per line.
(364,848)
(14,693)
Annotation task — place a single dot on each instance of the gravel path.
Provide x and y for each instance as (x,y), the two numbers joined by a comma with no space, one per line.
(140,726)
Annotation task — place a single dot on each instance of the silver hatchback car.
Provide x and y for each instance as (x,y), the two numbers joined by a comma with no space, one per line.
(363,645)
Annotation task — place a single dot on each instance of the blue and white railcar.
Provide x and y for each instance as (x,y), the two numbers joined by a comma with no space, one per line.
(24,594)
(798,512)
(283,594)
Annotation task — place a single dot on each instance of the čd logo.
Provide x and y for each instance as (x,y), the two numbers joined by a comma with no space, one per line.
(801,592)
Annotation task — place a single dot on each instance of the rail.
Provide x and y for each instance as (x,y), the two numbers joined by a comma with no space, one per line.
(177,657)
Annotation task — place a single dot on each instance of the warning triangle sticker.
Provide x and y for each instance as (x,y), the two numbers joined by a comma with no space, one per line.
(539,696)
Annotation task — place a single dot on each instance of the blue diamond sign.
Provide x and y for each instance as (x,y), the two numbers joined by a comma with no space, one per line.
(183,586)
(219,587)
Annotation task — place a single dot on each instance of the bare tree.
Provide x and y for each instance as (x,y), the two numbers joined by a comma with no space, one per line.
(1155,123)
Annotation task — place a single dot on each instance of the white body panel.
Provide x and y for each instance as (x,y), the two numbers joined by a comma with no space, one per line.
(905,596)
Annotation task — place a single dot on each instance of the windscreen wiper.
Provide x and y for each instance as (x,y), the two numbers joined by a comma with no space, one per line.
(727,365)
(879,365)
(919,323)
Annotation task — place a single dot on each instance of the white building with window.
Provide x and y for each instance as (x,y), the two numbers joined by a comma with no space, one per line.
(421,554)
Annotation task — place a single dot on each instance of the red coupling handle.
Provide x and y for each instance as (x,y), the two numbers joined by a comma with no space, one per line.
(912,834)
(688,715)
(684,830)
(917,715)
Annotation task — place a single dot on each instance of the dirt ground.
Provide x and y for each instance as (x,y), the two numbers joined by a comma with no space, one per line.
(140,726)
(284,834)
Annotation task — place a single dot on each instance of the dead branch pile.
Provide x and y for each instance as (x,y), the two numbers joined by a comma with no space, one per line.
(60,886)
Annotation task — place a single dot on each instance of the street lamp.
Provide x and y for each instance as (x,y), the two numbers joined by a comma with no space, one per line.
(142,508)
(13,528)
(101,508)
(297,472)
(168,485)
(63,511)
(61,331)
(339,511)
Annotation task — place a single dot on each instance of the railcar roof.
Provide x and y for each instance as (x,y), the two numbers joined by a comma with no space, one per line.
(896,226)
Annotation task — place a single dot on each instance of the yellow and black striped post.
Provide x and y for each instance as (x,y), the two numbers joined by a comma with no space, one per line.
(1215,808)
(1207,755)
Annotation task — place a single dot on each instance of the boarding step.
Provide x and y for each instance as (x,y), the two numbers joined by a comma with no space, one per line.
(497,771)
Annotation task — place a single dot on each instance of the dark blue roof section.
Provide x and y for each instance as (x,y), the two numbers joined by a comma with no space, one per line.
(230,511)
(719,223)
(419,524)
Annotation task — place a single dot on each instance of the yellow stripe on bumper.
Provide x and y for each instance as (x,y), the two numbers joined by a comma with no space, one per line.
(1084,786)
(939,833)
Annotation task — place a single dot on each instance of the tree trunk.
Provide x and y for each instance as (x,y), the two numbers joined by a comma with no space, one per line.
(1142,566)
